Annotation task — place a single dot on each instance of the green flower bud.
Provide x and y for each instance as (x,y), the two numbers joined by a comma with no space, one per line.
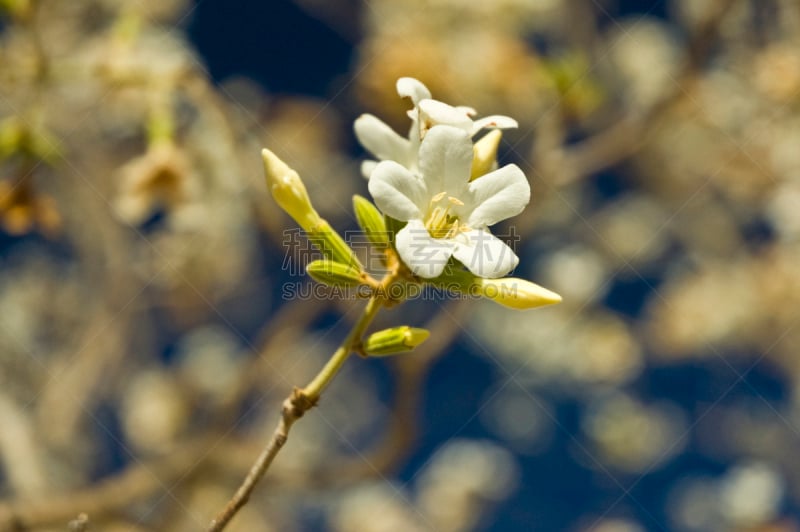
(332,245)
(394,340)
(371,221)
(289,191)
(334,273)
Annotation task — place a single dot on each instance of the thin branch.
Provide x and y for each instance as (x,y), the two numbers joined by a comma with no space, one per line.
(293,409)
(120,491)
(624,138)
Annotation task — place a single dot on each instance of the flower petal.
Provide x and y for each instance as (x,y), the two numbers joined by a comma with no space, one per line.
(484,254)
(424,255)
(397,192)
(434,112)
(445,160)
(367,168)
(412,88)
(381,140)
(494,121)
(468,110)
(496,196)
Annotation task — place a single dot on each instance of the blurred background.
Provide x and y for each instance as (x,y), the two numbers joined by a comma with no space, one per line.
(146,336)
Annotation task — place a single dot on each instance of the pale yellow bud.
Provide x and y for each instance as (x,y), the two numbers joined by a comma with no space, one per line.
(289,191)
(484,154)
(517,293)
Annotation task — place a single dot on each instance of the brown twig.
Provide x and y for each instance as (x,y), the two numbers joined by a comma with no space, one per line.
(134,484)
(297,404)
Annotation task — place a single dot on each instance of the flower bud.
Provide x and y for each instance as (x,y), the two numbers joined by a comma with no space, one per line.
(332,245)
(394,340)
(289,191)
(516,293)
(334,273)
(484,154)
(371,221)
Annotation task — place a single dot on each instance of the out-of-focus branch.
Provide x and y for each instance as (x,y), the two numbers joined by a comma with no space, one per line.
(192,457)
(111,495)
(625,137)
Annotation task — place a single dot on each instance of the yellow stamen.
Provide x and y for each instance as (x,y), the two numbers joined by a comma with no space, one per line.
(439,222)
(438,197)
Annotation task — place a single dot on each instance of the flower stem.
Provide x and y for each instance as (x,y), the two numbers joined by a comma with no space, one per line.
(315,388)
(297,404)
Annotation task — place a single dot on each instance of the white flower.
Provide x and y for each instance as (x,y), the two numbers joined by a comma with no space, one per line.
(448,214)
(382,141)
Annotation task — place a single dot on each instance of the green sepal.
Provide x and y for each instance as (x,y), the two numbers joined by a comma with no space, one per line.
(393,227)
(332,245)
(371,221)
(456,279)
(334,273)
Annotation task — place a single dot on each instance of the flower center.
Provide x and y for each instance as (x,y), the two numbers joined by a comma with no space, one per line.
(439,222)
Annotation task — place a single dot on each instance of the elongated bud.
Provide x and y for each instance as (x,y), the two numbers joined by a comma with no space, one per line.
(334,273)
(484,154)
(371,221)
(289,191)
(394,340)
(332,245)
(517,293)
(510,292)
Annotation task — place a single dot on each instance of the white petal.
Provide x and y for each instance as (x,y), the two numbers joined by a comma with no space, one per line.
(397,192)
(381,140)
(445,160)
(496,196)
(367,168)
(424,255)
(412,88)
(495,121)
(434,112)
(484,254)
